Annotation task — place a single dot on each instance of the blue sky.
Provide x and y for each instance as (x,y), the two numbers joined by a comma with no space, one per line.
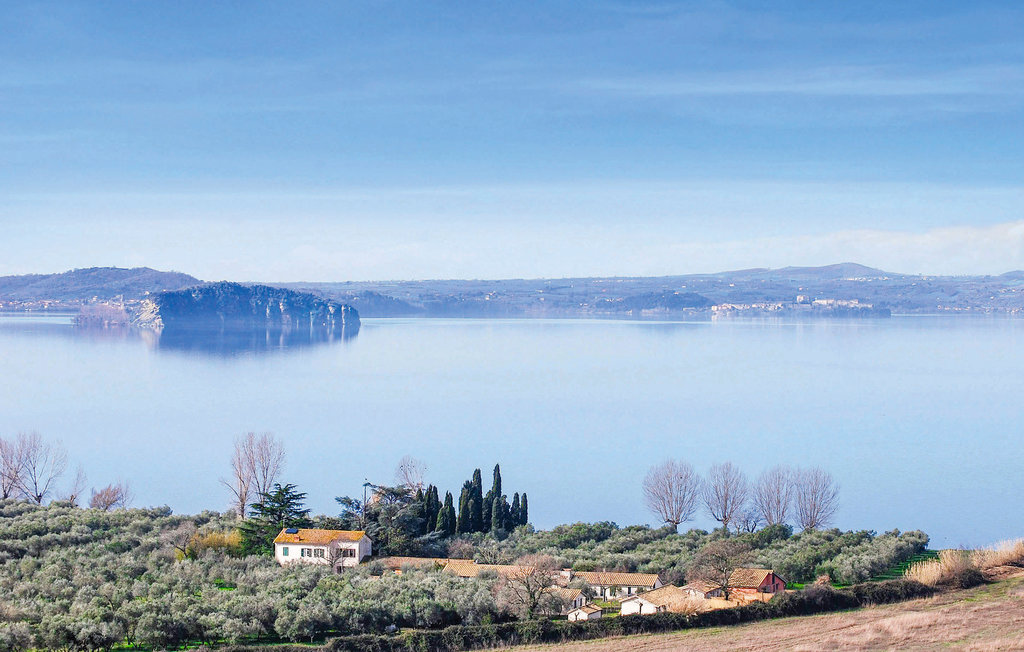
(383,140)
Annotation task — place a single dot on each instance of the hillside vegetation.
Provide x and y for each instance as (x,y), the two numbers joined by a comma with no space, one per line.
(73,578)
(98,282)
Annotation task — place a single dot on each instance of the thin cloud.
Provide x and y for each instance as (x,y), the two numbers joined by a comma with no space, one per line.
(839,81)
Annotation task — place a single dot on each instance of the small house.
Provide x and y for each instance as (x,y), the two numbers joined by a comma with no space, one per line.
(337,548)
(756,580)
(586,612)
(611,585)
(668,598)
(749,582)
(570,599)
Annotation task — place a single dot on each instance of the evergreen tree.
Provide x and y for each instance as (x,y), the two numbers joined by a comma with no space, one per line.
(501,516)
(446,517)
(489,499)
(516,509)
(278,509)
(465,523)
(524,511)
(496,487)
(476,512)
(431,508)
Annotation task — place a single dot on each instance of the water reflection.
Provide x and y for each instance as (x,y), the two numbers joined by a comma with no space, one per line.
(210,342)
(239,341)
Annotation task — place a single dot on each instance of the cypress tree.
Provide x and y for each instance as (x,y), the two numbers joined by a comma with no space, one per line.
(489,499)
(434,502)
(524,511)
(465,522)
(446,517)
(496,487)
(516,516)
(496,515)
(477,511)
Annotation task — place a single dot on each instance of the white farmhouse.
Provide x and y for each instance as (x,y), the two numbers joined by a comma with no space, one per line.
(339,548)
(609,585)
(586,612)
(666,598)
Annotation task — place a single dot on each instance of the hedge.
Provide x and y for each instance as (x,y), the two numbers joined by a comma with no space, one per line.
(815,599)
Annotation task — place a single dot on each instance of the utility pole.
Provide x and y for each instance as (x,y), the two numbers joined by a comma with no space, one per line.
(362,519)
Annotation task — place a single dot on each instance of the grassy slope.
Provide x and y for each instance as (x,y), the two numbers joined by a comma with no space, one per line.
(990,617)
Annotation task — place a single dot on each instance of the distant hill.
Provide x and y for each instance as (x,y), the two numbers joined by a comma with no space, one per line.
(823,273)
(84,284)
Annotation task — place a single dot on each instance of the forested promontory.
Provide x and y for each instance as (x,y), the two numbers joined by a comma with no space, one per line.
(220,306)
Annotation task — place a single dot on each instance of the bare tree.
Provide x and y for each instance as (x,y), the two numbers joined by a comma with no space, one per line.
(817,498)
(10,468)
(671,490)
(411,473)
(749,520)
(267,462)
(113,496)
(256,463)
(181,538)
(526,587)
(42,464)
(725,493)
(773,494)
(240,483)
(75,489)
(715,563)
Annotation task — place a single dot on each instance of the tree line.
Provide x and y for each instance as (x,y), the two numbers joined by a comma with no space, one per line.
(406,517)
(31,469)
(675,491)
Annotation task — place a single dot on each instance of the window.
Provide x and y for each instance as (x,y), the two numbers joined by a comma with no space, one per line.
(348,552)
(284,551)
(319,552)
(307,552)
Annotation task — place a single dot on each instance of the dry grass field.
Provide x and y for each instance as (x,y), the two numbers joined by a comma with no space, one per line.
(989,617)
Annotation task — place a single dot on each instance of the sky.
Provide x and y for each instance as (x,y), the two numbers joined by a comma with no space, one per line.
(269,141)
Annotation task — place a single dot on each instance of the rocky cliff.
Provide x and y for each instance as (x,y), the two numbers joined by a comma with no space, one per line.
(232,306)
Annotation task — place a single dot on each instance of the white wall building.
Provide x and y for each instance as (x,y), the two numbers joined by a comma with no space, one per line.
(340,548)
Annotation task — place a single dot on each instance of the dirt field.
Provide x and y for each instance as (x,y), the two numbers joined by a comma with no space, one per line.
(987,618)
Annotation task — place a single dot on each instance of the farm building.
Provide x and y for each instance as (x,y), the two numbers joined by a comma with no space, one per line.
(338,548)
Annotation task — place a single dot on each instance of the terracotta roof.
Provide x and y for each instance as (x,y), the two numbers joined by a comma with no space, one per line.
(588,609)
(748,578)
(396,563)
(318,537)
(618,579)
(469,568)
(565,595)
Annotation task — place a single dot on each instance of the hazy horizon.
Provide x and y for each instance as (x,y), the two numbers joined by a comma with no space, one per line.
(273,143)
(518,278)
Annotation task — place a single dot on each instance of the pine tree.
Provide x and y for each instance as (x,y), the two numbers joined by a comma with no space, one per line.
(524,511)
(516,509)
(277,509)
(476,512)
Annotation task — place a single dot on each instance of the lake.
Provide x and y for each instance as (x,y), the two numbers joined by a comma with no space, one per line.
(917,417)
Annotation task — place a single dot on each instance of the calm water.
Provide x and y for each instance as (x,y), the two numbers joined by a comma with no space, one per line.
(919,418)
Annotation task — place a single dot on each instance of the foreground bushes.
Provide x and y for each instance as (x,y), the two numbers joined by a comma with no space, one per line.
(816,599)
